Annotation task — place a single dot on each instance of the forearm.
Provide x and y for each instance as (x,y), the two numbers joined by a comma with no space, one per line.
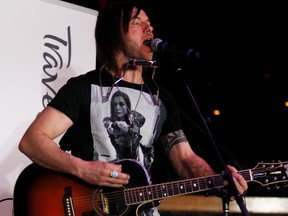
(42,150)
(188,164)
(195,166)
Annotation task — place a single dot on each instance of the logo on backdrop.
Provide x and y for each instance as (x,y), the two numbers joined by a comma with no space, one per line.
(59,51)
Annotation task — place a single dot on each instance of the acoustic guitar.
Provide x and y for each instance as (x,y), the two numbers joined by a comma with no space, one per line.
(43,192)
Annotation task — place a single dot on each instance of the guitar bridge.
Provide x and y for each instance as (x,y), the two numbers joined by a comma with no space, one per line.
(67,202)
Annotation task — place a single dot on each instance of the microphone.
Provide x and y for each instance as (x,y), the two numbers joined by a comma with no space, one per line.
(135,62)
(157,45)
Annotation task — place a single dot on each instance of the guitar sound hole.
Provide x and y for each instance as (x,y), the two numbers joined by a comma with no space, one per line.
(109,201)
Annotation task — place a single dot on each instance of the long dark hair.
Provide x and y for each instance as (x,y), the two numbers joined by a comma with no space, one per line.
(112,24)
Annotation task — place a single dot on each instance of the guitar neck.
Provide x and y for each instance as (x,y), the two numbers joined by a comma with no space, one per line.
(176,188)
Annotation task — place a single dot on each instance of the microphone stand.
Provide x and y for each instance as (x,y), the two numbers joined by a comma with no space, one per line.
(225,195)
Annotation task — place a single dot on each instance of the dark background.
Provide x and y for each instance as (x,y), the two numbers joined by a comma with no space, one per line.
(242,71)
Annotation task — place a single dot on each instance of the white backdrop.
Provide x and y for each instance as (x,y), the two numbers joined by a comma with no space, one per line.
(43,43)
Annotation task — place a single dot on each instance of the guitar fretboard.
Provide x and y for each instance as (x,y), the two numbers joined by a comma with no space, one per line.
(176,188)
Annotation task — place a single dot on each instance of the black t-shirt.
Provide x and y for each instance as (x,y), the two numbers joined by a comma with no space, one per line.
(101,130)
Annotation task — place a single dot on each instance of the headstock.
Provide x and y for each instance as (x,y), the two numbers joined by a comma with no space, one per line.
(268,174)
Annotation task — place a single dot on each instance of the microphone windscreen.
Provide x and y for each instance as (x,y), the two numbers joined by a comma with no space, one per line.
(155,44)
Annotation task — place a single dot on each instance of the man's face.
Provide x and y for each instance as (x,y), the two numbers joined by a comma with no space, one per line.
(139,36)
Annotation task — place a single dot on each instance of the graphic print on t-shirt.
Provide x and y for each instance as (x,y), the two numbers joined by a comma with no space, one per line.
(127,122)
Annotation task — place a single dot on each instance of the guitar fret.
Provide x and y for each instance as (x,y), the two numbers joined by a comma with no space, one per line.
(162,191)
(145,194)
(202,184)
(140,195)
(210,183)
(168,190)
(176,188)
(132,195)
(182,188)
(195,185)
(189,187)
(150,194)
(158,192)
(135,197)
(127,196)
(171,188)
(153,191)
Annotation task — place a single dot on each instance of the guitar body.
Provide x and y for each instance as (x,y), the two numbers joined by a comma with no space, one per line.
(43,192)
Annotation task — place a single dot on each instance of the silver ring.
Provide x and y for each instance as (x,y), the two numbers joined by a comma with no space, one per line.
(114,174)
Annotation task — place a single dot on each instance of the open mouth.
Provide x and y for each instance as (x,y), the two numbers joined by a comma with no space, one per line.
(147,42)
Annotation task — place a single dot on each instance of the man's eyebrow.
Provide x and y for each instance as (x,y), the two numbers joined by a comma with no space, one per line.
(139,18)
